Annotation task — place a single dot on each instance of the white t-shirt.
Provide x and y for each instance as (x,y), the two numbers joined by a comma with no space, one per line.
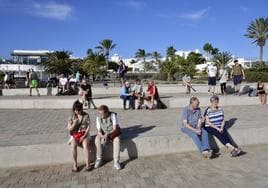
(212,70)
(223,75)
(72,80)
(114,120)
(63,81)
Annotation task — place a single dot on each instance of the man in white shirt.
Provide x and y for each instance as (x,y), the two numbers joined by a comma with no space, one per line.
(212,72)
(62,84)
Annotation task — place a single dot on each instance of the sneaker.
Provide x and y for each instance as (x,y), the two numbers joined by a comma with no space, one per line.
(235,153)
(206,154)
(117,166)
(98,163)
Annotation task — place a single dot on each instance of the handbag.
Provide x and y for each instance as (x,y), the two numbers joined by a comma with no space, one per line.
(78,135)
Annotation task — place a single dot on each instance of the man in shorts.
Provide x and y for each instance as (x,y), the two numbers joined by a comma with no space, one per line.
(212,72)
(237,74)
(34,82)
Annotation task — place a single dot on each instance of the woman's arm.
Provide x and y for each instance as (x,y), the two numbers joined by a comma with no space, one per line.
(211,124)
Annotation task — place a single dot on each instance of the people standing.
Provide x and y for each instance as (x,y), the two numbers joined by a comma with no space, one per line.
(223,74)
(77,77)
(237,74)
(212,72)
(191,120)
(122,71)
(86,94)
(186,81)
(108,131)
(34,82)
(49,87)
(261,92)
(215,125)
(79,127)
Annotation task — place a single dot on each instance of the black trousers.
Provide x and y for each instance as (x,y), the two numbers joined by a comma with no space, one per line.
(223,88)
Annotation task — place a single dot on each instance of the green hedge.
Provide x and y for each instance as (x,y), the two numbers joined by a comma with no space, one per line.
(254,76)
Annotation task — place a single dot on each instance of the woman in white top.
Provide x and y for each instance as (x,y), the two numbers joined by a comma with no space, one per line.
(223,74)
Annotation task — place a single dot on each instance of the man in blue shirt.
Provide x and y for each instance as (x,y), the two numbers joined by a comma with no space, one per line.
(127,94)
(191,120)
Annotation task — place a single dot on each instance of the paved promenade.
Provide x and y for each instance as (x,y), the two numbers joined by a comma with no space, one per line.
(182,170)
(39,136)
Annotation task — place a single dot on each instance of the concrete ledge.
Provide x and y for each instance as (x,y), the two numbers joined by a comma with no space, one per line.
(115,102)
(17,156)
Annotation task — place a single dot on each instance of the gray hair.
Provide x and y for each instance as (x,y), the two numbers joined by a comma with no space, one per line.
(214,98)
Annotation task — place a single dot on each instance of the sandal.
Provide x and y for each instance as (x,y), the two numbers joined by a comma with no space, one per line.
(74,169)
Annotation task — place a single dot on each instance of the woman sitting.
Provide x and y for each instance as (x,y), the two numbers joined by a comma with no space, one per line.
(261,92)
(215,125)
(152,95)
(79,127)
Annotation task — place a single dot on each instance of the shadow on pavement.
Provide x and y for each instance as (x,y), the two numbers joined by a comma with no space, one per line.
(127,135)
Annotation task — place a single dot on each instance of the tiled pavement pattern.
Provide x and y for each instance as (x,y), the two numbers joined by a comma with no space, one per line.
(27,127)
(172,170)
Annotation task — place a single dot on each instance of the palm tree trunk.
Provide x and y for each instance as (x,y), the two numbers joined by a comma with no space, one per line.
(261,57)
(144,64)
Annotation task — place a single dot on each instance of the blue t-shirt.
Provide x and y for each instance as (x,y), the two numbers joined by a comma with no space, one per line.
(192,116)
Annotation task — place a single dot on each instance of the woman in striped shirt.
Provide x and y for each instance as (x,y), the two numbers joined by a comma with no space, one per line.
(215,125)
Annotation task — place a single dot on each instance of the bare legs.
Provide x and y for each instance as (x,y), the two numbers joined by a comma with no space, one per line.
(85,145)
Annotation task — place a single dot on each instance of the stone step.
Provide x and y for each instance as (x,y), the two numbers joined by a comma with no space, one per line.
(132,146)
(66,102)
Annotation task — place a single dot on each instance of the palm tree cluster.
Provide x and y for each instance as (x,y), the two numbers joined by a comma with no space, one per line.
(97,62)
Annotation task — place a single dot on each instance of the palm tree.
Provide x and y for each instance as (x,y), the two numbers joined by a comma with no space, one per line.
(58,62)
(141,54)
(105,46)
(155,55)
(222,58)
(258,30)
(195,58)
(94,64)
(171,52)
(208,48)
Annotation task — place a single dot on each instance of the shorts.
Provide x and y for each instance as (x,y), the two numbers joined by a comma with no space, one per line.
(34,83)
(237,79)
(212,81)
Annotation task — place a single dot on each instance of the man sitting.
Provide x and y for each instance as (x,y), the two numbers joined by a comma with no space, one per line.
(126,94)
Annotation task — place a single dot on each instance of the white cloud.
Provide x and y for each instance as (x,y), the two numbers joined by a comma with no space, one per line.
(133,4)
(52,10)
(194,16)
(49,9)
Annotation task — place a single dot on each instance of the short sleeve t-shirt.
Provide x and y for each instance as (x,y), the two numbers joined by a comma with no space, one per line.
(215,117)
(82,126)
(192,116)
(212,71)
(63,81)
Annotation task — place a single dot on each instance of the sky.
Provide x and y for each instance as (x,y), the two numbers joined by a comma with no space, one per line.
(153,25)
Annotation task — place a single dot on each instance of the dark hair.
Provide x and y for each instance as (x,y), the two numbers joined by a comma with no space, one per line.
(103,108)
(77,106)
(235,61)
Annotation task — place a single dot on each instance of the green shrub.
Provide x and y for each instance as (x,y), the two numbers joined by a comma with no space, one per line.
(254,76)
